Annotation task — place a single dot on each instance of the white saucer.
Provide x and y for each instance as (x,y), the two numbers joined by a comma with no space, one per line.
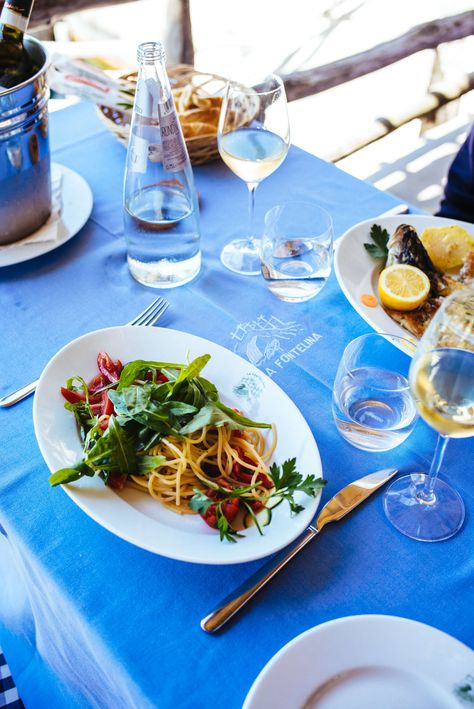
(76,196)
(367,662)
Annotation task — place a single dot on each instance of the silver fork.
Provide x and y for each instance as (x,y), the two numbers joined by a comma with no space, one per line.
(149,317)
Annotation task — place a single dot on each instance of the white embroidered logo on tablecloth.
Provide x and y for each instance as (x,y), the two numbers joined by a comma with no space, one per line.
(268,342)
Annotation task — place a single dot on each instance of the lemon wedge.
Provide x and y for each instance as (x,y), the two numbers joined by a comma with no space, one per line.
(403,287)
(447,246)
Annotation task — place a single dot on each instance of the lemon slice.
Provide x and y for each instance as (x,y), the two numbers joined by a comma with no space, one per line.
(447,246)
(403,287)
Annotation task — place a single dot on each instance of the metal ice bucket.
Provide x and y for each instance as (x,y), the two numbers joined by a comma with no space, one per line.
(25,179)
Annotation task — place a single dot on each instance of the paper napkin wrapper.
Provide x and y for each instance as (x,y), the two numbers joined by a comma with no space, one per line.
(50,229)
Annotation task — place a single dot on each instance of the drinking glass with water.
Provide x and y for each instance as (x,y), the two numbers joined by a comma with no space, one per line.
(296,250)
(372,405)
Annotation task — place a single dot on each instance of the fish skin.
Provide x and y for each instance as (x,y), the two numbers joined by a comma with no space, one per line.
(404,246)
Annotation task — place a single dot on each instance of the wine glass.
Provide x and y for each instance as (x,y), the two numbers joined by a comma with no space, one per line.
(253,138)
(442,383)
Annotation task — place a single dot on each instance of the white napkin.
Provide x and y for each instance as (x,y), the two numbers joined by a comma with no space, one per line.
(49,231)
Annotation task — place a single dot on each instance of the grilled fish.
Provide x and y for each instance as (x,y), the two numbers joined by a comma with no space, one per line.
(404,246)
(416,321)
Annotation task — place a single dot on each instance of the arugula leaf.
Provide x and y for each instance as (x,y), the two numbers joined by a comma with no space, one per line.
(147,463)
(190,392)
(70,384)
(84,416)
(236,418)
(380,238)
(215,413)
(193,369)
(135,402)
(179,408)
(132,370)
(124,455)
(208,388)
(68,475)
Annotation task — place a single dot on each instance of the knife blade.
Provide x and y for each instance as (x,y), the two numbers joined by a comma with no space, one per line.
(338,507)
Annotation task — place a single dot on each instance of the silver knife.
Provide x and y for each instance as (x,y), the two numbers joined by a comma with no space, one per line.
(338,507)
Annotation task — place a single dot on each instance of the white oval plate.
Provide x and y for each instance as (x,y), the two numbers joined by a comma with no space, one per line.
(76,206)
(357,273)
(133,515)
(365,662)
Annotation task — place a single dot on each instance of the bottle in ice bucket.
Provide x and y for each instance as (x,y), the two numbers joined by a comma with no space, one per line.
(161,214)
(16,65)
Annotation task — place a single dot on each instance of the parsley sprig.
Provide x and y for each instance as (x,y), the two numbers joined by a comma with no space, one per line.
(380,238)
(286,482)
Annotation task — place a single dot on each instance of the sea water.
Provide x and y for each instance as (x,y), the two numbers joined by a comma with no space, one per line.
(162,233)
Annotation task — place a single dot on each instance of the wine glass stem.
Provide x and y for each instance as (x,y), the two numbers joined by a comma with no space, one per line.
(252,186)
(427,495)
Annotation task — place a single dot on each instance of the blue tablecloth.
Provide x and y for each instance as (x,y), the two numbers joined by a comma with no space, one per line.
(87,619)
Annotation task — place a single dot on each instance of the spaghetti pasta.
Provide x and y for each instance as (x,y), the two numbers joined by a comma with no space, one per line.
(163,428)
(200,459)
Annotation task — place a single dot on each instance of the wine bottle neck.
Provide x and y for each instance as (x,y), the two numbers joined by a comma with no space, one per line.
(16,14)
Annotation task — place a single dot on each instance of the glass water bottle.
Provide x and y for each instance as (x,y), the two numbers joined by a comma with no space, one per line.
(161,214)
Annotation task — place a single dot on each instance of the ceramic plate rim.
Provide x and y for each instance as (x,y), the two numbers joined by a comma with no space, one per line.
(240,552)
(274,670)
(377,318)
(71,217)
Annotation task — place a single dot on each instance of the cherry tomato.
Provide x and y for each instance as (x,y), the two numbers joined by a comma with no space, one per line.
(74,397)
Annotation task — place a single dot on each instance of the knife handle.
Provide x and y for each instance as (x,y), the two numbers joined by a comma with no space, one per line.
(232,603)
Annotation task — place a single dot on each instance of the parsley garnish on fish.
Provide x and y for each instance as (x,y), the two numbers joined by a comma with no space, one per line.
(380,238)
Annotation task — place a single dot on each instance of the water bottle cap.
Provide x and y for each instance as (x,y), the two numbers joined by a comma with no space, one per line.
(151,52)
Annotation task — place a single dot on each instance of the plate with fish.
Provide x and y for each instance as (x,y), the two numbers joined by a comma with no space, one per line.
(375,256)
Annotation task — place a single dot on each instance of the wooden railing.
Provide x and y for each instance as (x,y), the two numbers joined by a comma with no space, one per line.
(301,84)
(426,36)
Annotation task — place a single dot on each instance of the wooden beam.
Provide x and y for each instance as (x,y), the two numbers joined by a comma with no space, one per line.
(426,36)
(187,47)
(47,11)
(439,95)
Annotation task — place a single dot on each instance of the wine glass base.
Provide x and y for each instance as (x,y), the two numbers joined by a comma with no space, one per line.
(242,257)
(418,520)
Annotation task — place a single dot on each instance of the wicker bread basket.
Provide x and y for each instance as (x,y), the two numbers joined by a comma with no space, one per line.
(198,97)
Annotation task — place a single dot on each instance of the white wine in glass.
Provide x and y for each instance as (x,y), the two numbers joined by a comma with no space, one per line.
(253,139)
(442,383)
